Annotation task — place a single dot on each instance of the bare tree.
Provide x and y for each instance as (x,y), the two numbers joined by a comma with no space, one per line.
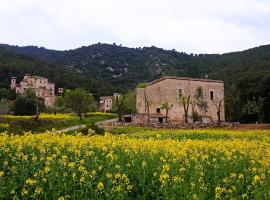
(185,101)
(147,109)
(218,107)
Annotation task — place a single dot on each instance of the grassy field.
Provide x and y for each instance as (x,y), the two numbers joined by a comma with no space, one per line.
(19,124)
(137,163)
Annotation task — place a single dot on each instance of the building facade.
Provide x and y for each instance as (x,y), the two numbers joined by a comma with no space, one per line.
(170,89)
(39,85)
(106,102)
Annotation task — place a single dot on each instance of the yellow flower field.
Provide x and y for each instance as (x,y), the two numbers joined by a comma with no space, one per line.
(142,164)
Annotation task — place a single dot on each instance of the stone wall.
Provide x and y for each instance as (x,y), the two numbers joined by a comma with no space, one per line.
(167,90)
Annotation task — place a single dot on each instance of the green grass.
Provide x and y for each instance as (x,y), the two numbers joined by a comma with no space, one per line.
(19,125)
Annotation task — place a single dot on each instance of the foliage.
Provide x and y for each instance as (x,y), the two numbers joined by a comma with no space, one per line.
(79,101)
(166,106)
(129,103)
(119,107)
(165,164)
(20,124)
(246,74)
(200,101)
(141,85)
(256,107)
(7,94)
(3,127)
(195,116)
(4,107)
(28,104)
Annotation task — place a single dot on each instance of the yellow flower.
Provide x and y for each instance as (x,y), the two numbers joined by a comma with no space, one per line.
(38,191)
(1,173)
(165,167)
(24,192)
(30,182)
(100,186)
(61,198)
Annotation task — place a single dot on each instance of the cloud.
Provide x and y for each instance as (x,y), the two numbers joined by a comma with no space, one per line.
(209,26)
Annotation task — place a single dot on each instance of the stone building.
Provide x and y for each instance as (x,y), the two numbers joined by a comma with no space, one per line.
(169,90)
(106,102)
(39,85)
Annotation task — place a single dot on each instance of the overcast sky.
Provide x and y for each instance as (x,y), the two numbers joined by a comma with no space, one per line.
(193,26)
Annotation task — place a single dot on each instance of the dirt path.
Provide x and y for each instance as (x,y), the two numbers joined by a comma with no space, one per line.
(72,128)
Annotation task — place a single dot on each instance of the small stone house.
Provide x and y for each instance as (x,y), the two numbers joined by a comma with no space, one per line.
(39,85)
(169,90)
(106,102)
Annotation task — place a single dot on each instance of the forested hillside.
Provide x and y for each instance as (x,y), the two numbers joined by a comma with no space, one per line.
(12,64)
(246,74)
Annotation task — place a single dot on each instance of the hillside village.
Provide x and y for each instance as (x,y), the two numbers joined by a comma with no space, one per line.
(165,100)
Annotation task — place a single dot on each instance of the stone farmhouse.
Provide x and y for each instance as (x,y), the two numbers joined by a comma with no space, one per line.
(39,85)
(106,102)
(169,90)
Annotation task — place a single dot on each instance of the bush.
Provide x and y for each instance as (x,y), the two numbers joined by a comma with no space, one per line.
(92,129)
(99,130)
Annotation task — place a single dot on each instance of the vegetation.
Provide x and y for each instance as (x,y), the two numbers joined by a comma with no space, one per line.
(246,74)
(79,101)
(185,102)
(20,124)
(166,106)
(28,104)
(164,164)
(125,104)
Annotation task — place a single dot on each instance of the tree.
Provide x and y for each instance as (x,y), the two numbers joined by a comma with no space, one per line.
(28,104)
(185,101)
(130,103)
(199,102)
(4,107)
(7,94)
(256,107)
(118,107)
(166,106)
(147,107)
(78,101)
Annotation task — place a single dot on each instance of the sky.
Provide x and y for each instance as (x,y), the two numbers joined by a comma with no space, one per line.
(192,26)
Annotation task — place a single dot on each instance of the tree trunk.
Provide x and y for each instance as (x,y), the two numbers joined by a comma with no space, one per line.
(186,107)
(80,116)
(167,115)
(218,113)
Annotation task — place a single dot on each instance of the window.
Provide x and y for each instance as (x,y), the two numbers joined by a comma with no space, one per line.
(158,110)
(211,95)
(180,93)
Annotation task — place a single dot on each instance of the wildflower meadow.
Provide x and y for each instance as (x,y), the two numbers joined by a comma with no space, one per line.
(140,164)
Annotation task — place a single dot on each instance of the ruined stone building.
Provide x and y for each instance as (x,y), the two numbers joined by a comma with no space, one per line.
(170,90)
(106,102)
(39,85)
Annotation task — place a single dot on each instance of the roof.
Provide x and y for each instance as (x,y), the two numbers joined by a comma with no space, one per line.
(183,78)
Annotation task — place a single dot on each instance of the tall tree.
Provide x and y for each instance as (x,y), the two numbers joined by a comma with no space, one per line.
(118,107)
